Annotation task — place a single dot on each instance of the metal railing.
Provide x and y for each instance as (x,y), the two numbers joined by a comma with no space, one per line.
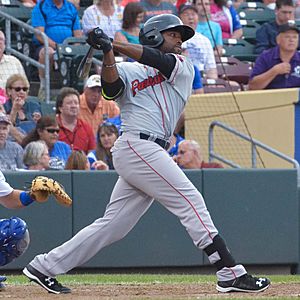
(9,50)
(253,144)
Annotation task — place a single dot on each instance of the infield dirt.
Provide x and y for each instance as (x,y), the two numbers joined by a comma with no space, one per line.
(139,291)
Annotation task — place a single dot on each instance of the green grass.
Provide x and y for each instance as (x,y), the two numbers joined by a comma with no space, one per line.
(143,279)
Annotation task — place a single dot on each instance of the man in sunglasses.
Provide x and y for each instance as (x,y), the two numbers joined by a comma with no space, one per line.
(9,64)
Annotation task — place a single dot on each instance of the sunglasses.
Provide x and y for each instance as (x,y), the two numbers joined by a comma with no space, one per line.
(18,88)
(52,130)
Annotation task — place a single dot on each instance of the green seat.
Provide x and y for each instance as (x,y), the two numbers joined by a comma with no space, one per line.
(48,108)
(240,49)
(249,30)
(255,11)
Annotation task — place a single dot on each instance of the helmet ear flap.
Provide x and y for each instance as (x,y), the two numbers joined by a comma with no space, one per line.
(151,38)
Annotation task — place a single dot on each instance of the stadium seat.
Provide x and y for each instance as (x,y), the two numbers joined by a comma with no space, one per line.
(255,11)
(249,30)
(239,48)
(231,68)
(218,86)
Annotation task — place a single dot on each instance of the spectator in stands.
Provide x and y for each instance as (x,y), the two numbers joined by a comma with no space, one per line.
(36,156)
(133,16)
(198,48)
(190,157)
(77,161)
(267,33)
(47,130)
(9,64)
(11,153)
(73,131)
(278,67)
(212,30)
(93,108)
(102,14)
(58,19)
(101,158)
(29,3)
(22,113)
(225,14)
(157,7)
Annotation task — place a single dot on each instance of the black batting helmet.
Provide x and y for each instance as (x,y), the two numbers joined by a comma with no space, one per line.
(150,34)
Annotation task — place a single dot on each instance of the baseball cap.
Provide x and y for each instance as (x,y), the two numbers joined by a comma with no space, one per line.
(291,25)
(184,7)
(94,80)
(4,118)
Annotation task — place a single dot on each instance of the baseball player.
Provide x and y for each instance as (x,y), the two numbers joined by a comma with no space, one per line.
(151,93)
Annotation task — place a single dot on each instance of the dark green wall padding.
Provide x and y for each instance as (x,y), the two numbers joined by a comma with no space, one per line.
(256,211)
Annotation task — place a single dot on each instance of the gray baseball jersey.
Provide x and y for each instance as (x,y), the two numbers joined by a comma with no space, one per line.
(150,104)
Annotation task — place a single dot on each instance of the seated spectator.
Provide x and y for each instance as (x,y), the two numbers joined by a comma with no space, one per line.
(197,82)
(157,7)
(198,48)
(210,29)
(101,158)
(36,156)
(73,131)
(77,161)
(58,19)
(47,130)
(267,33)
(103,14)
(225,14)
(133,16)
(190,157)
(9,64)
(18,109)
(278,67)
(11,153)
(93,109)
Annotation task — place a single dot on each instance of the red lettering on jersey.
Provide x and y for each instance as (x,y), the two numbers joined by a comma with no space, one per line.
(136,85)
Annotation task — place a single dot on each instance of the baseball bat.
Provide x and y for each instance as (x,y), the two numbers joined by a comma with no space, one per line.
(84,67)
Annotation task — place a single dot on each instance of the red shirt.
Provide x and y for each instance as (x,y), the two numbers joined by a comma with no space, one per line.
(208,165)
(81,138)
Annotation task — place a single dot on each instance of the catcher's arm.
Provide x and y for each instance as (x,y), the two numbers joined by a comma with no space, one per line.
(12,200)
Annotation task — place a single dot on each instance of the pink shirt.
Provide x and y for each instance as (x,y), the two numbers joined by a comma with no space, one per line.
(219,16)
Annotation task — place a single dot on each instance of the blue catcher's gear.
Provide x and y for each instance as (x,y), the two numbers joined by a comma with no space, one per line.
(14,239)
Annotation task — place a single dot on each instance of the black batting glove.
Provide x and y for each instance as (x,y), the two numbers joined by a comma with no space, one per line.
(99,40)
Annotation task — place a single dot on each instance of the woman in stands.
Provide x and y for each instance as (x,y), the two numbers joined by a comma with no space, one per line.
(77,161)
(22,113)
(225,14)
(103,14)
(47,130)
(101,158)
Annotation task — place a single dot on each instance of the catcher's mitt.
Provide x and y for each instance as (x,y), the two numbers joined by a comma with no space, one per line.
(42,187)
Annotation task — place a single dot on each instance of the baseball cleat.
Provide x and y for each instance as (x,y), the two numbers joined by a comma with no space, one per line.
(246,283)
(48,283)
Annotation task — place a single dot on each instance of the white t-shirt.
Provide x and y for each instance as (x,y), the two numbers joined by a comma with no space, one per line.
(5,188)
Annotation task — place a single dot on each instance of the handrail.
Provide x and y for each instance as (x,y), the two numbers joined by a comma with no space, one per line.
(254,144)
(9,49)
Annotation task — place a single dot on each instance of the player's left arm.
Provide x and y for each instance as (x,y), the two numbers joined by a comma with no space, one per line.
(12,200)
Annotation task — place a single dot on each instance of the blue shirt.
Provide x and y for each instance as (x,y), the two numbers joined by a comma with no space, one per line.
(58,23)
(59,154)
(271,57)
(197,82)
(204,28)
(29,108)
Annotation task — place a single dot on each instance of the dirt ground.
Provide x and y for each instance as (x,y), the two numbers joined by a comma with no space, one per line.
(135,291)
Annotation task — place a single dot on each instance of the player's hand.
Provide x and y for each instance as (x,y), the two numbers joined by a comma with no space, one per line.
(282,68)
(98,39)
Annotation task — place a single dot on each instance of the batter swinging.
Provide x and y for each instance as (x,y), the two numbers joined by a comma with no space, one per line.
(151,93)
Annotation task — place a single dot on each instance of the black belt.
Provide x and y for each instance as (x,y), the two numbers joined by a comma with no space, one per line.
(163,143)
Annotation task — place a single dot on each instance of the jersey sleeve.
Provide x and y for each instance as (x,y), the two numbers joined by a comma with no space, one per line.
(182,76)
(5,188)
